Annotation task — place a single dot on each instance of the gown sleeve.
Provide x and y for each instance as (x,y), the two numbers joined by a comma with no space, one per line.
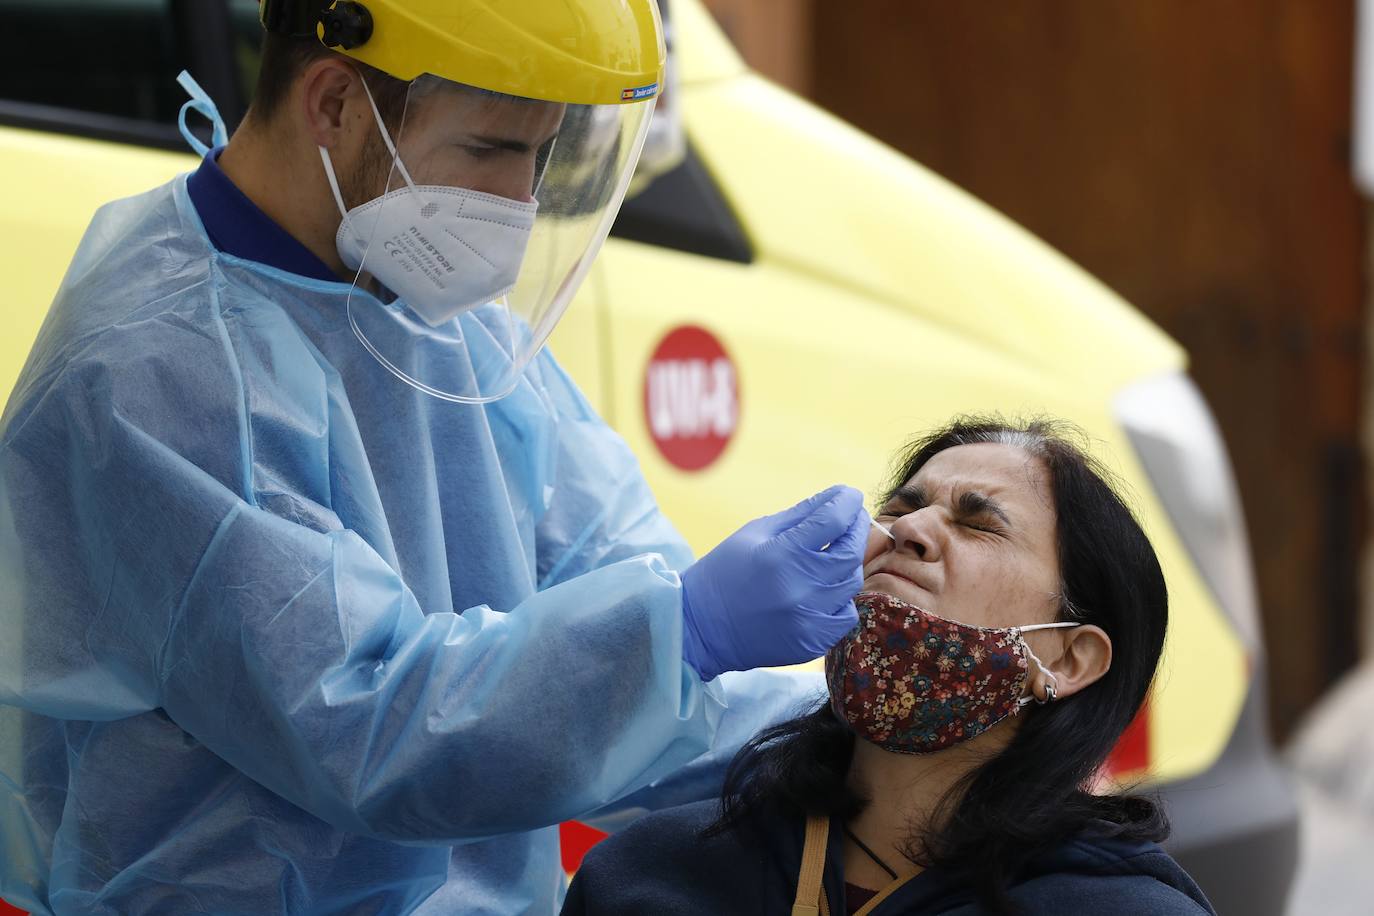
(603,512)
(136,575)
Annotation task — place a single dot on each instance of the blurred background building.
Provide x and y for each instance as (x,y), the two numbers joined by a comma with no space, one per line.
(1197,159)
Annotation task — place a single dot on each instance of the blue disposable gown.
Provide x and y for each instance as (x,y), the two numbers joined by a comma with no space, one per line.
(282,634)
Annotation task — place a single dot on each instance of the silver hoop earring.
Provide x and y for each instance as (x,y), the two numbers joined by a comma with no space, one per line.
(1049,694)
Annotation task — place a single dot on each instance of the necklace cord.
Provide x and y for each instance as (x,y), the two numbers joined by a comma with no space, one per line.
(870,853)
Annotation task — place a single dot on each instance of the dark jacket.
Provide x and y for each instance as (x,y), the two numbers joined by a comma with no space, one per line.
(660,865)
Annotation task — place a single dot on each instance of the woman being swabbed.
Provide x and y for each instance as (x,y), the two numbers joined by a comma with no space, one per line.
(1009,631)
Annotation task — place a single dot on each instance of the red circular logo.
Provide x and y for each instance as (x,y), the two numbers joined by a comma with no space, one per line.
(691,398)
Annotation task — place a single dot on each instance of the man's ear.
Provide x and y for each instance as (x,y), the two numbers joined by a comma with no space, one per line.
(1086,657)
(329,92)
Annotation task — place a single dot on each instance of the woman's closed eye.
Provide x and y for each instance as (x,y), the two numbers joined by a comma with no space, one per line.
(984,525)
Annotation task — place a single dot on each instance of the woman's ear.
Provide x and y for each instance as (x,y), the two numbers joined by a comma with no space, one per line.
(1086,657)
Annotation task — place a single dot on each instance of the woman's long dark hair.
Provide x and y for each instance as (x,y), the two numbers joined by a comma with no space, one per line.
(1034,794)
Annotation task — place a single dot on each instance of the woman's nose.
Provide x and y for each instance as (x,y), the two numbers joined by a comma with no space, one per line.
(914,532)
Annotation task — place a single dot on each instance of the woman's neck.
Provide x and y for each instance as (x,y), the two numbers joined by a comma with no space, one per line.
(905,793)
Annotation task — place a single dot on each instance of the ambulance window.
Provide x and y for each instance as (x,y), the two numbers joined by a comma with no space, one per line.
(679,206)
(110,58)
(685,210)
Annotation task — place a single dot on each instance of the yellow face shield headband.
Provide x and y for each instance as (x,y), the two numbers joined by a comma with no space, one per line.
(609,52)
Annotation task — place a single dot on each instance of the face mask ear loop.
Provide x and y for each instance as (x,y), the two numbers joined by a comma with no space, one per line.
(338,196)
(386,138)
(333,181)
(1052,687)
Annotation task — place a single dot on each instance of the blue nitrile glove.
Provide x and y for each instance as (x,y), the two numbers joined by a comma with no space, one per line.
(769,595)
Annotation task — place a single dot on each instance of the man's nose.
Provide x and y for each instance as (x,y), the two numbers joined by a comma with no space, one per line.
(513,182)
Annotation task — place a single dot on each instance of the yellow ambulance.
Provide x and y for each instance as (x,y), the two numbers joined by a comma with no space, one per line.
(784,301)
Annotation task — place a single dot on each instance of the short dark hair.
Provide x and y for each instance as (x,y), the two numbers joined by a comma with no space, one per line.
(285,58)
(1036,792)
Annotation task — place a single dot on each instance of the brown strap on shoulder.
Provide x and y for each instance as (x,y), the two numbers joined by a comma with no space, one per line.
(883,895)
(810,881)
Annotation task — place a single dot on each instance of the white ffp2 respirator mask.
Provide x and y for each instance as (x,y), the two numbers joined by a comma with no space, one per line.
(447,250)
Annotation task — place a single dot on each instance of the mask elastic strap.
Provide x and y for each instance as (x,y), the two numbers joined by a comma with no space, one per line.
(391,147)
(1030,628)
(1053,687)
(201,102)
(333,181)
(386,136)
(338,196)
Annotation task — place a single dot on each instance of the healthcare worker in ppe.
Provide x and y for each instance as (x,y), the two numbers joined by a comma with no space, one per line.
(322,589)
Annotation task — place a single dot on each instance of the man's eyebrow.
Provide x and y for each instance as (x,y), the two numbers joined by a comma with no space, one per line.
(505,143)
(971,502)
(510,144)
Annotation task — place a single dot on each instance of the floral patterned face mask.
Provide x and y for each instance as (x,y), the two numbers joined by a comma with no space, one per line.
(913,683)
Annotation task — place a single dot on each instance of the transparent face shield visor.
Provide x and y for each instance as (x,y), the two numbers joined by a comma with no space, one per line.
(493,210)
